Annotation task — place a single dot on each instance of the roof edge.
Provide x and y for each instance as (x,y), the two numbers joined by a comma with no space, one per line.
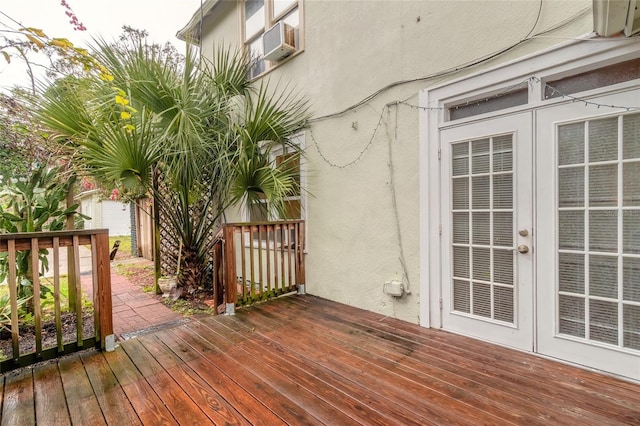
(190,32)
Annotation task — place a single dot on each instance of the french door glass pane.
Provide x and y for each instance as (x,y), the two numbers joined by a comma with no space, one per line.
(482,228)
(571,312)
(480,192)
(603,272)
(603,185)
(603,140)
(603,230)
(631,274)
(571,144)
(503,229)
(482,299)
(631,138)
(481,157)
(461,228)
(631,231)
(631,184)
(571,187)
(571,229)
(571,268)
(461,296)
(598,231)
(503,191)
(603,321)
(631,315)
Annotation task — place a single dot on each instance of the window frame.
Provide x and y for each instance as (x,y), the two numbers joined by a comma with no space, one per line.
(277,151)
(270,20)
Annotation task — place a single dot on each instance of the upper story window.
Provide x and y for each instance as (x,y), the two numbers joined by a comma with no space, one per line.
(260,16)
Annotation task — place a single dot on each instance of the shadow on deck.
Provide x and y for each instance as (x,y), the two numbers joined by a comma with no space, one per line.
(304,360)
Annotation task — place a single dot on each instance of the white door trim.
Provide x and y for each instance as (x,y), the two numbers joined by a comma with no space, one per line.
(565,59)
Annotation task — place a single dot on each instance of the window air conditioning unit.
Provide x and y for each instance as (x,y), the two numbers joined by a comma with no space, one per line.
(278,42)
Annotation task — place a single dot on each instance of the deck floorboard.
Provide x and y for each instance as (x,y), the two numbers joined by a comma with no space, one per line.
(302,360)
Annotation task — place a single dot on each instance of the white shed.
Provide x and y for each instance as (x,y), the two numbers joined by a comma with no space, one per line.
(113,215)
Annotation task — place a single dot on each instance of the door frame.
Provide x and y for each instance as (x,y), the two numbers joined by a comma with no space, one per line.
(568,58)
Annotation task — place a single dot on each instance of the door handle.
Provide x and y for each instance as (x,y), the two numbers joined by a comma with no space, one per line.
(523,248)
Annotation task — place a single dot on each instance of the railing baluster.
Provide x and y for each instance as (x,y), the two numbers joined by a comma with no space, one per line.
(56,293)
(270,232)
(251,262)
(94,279)
(296,261)
(260,277)
(78,289)
(13,295)
(243,264)
(289,263)
(301,247)
(216,273)
(282,253)
(37,312)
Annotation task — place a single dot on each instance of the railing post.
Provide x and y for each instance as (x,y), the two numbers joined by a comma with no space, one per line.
(230,284)
(13,294)
(103,296)
(216,274)
(71,266)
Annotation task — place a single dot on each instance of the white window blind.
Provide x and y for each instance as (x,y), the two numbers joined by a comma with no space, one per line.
(482,228)
(598,193)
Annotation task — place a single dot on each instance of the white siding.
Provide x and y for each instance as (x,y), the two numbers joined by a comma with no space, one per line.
(116,217)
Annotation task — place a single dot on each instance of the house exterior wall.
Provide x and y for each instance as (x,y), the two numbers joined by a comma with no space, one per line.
(363,212)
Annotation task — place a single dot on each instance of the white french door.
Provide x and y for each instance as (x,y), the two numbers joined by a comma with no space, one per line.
(487,217)
(536,203)
(588,197)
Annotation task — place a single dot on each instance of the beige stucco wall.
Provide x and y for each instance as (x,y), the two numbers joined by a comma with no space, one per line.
(353,49)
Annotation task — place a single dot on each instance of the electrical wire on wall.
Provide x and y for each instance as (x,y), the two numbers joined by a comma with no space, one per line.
(394,199)
(459,68)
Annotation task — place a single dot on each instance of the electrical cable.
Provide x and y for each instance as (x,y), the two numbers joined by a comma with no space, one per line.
(452,70)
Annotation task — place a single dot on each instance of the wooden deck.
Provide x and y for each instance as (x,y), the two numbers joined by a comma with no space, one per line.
(302,360)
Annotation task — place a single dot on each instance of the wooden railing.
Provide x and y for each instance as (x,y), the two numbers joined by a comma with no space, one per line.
(39,344)
(257,261)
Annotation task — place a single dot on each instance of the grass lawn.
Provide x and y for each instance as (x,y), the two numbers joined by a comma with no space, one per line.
(124,251)
(46,301)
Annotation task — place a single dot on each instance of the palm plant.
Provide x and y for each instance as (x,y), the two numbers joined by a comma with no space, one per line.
(201,125)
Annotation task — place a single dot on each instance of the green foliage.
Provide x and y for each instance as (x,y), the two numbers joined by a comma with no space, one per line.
(21,143)
(5,310)
(199,124)
(31,204)
(36,202)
